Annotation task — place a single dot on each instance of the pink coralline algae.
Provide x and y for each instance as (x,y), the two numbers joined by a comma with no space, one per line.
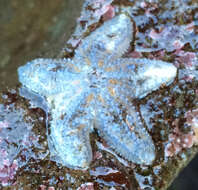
(192,120)
(15,150)
(178,140)
(51,188)
(107,11)
(160,31)
(173,34)
(168,33)
(86,186)
(44,187)
(110,13)
(8,168)
(92,12)
(97,155)
(186,59)
(7,171)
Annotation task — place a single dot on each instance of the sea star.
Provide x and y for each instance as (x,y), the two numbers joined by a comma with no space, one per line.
(96,89)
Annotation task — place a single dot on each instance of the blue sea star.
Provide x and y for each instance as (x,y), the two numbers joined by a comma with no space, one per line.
(96,89)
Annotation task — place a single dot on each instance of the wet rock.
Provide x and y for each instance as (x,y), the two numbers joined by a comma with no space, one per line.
(169,114)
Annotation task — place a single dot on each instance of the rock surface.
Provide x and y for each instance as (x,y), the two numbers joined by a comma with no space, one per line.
(170,113)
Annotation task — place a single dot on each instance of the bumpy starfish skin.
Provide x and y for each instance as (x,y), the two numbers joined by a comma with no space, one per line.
(96,89)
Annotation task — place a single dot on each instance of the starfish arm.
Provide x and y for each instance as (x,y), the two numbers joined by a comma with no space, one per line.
(69,144)
(65,88)
(69,128)
(50,76)
(136,78)
(121,127)
(109,41)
